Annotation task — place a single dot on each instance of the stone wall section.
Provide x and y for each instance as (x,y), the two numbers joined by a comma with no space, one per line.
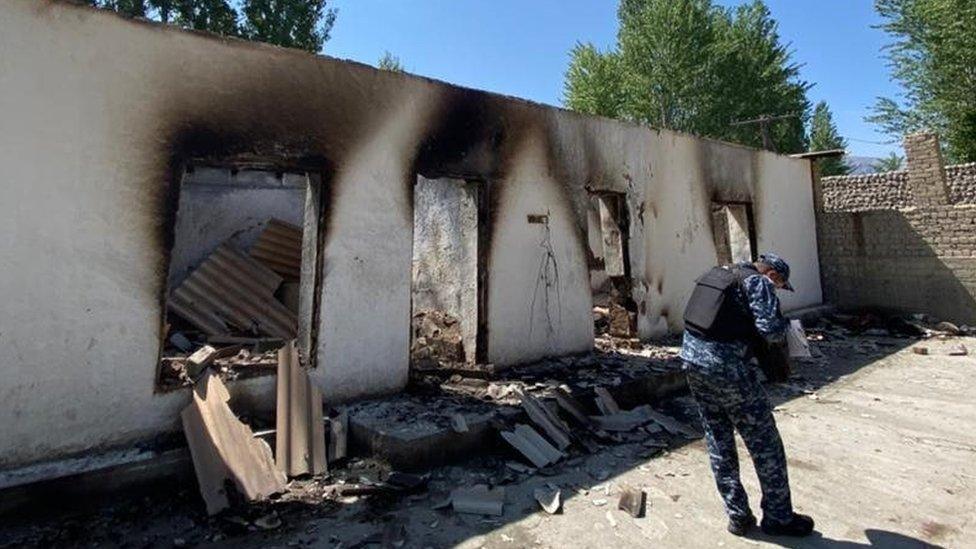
(962,183)
(855,193)
(902,240)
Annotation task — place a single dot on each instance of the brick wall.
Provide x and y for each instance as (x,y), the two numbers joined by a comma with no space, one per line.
(855,193)
(962,183)
(902,240)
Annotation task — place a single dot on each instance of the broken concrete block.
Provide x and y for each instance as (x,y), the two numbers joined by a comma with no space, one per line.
(607,400)
(633,501)
(437,335)
(225,452)
(622,321)
(202,356)
(550,499)
(479,500)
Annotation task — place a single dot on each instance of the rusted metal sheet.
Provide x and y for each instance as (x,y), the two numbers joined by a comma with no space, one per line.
(231,292)
(279,247)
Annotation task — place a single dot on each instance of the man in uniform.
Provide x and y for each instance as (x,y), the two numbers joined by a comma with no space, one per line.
(730,397)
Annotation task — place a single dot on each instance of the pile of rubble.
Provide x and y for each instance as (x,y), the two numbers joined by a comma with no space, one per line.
(436,339)
(235,309)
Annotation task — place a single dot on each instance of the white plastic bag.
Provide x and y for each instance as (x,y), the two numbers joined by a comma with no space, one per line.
(796,339)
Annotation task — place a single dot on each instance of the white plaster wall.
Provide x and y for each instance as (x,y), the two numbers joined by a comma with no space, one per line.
(522,325)
(445,253)
(364,329)
(678,243)
(84,97)
(786,225)
(216,206)
(88,102)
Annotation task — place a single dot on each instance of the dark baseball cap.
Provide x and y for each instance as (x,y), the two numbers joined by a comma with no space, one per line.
(778,265)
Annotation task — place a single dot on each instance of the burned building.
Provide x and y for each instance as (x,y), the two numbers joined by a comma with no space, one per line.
(131,153)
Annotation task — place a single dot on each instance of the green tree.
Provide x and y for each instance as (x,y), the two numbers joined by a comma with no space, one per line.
(891,163)
(593,82)
(211,15)
(129,8)
(825,137)
(932,58)
(691,66)
(304,24)
(390,62)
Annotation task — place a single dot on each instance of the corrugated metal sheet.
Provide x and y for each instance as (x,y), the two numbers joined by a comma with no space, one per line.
(279,247)
(230,292)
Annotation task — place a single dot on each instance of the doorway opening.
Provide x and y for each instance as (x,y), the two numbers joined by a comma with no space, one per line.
(608,235)
(449,275)
(734,232)
(242,269)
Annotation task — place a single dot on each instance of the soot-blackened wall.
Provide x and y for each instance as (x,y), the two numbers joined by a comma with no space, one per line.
(101,115)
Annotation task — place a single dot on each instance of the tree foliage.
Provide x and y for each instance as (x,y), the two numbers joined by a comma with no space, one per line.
(692,66)
(390,62)
(933,58)
(890,163)
(824,137)
(304,24)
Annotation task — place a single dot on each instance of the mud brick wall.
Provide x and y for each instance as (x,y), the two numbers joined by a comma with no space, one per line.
(854,193)
(962,183)
(902,240)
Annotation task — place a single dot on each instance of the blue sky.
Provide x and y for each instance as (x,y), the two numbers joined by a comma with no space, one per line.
(520,47)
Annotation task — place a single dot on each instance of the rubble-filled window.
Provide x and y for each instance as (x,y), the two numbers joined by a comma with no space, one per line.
(445,288)
(235,271)
(734,233)
(614,310)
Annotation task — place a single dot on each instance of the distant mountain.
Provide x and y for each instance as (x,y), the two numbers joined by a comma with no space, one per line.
(861,165)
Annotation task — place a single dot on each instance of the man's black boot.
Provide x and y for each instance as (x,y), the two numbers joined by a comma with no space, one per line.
(740,526)
(798,526)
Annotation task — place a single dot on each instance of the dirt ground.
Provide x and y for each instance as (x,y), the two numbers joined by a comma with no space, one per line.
(881,444)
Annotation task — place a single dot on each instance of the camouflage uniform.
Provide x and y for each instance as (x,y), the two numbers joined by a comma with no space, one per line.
(731,398)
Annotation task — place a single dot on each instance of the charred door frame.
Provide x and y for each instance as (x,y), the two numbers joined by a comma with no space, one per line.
(317,200)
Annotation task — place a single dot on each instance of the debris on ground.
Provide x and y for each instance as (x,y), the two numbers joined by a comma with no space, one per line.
(479,500)
(633,501)
(300,428)
(436,338)
(549,498)
(225,452)
(531,445)
(459,424)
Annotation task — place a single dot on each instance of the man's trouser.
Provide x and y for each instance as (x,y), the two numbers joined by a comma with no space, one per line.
(737,402)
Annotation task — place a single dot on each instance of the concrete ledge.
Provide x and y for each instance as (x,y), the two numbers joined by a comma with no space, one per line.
(140,471)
